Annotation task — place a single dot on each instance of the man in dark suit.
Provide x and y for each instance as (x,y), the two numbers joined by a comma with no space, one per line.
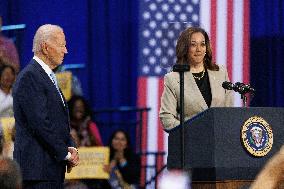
(43,144)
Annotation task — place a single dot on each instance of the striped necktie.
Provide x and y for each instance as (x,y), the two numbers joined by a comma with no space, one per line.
(53,77)
(54,80)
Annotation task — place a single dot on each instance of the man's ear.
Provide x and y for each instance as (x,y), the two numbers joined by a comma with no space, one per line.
(44,48)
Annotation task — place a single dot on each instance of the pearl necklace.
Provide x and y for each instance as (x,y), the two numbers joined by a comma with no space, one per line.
(200,77)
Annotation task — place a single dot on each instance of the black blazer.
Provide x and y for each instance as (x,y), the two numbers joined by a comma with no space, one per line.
(42,126)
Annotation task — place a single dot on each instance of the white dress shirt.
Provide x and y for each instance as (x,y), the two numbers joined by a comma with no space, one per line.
(49,72)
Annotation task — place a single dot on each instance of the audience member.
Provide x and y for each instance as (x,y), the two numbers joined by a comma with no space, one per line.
(124,167)
(7,79)
(84,131)
(10,174)
(8,52)
(272,173)
(8,146)
(1,142)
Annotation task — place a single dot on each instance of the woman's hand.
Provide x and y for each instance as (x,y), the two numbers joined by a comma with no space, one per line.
(119,157)
(108,168)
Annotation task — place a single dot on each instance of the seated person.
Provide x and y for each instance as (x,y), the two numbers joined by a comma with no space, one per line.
(10,174)
(85,133)
(7,79)
(83,129)
(272,173)
(8,52)
(124,167)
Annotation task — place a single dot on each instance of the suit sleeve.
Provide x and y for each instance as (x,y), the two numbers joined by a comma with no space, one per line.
(168,110)
(33,102)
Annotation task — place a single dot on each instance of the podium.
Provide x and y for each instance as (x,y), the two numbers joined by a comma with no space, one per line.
(213,148)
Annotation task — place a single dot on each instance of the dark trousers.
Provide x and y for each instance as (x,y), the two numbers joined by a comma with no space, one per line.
(42,184)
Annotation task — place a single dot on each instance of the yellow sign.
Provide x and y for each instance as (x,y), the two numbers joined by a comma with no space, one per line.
(8,124)
(92,161)
(64,81)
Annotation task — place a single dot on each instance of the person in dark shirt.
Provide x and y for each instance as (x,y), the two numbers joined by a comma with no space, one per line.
(124,165)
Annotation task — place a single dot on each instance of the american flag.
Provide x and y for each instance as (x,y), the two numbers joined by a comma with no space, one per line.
(160,23)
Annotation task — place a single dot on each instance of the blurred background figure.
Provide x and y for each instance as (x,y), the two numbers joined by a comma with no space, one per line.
(174,179)
(7,79)
(272,173)
(85,134)
(10,174)
(84,131)
(8,146)
(124,167)
(8,52)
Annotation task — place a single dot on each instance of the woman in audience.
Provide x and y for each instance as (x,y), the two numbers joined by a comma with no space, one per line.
(83,129)
(7,79)
(124,167)
(85,133)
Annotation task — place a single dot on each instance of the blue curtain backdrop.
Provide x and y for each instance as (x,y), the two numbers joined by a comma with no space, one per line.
(267,49)
(100,34)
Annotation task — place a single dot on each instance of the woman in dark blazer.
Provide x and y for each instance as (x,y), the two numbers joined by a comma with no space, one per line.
(203,83)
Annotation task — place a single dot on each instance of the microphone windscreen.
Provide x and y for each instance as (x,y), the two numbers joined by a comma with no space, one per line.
(227,85)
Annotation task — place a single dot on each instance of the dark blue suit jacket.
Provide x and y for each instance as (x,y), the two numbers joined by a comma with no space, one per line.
(42,126)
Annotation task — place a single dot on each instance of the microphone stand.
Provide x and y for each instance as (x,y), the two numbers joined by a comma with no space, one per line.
(244,97)
(181,68)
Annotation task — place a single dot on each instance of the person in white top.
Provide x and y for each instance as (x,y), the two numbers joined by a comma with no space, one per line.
(7,79)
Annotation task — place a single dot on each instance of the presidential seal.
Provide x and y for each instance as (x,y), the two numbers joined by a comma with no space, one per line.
(257,136)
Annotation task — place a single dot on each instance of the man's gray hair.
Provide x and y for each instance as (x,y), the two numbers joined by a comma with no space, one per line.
(10,174)
(44,33)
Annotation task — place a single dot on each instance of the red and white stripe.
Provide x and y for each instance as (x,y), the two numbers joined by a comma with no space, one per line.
(154,139)
(227,23)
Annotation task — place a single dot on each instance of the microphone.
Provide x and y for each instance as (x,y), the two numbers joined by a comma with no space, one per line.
(228,85)
(243,88)
(238,87)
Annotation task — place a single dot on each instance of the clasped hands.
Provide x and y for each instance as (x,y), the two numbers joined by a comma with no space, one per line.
(73,160)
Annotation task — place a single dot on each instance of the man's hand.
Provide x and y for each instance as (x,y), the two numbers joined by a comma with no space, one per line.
(74,159)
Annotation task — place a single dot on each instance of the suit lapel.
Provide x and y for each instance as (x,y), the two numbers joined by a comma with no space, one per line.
(213,83)
(50,83)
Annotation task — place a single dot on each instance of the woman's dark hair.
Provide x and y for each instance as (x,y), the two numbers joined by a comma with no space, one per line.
(127,151)
(183,45)
(5,66)
(71,104)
